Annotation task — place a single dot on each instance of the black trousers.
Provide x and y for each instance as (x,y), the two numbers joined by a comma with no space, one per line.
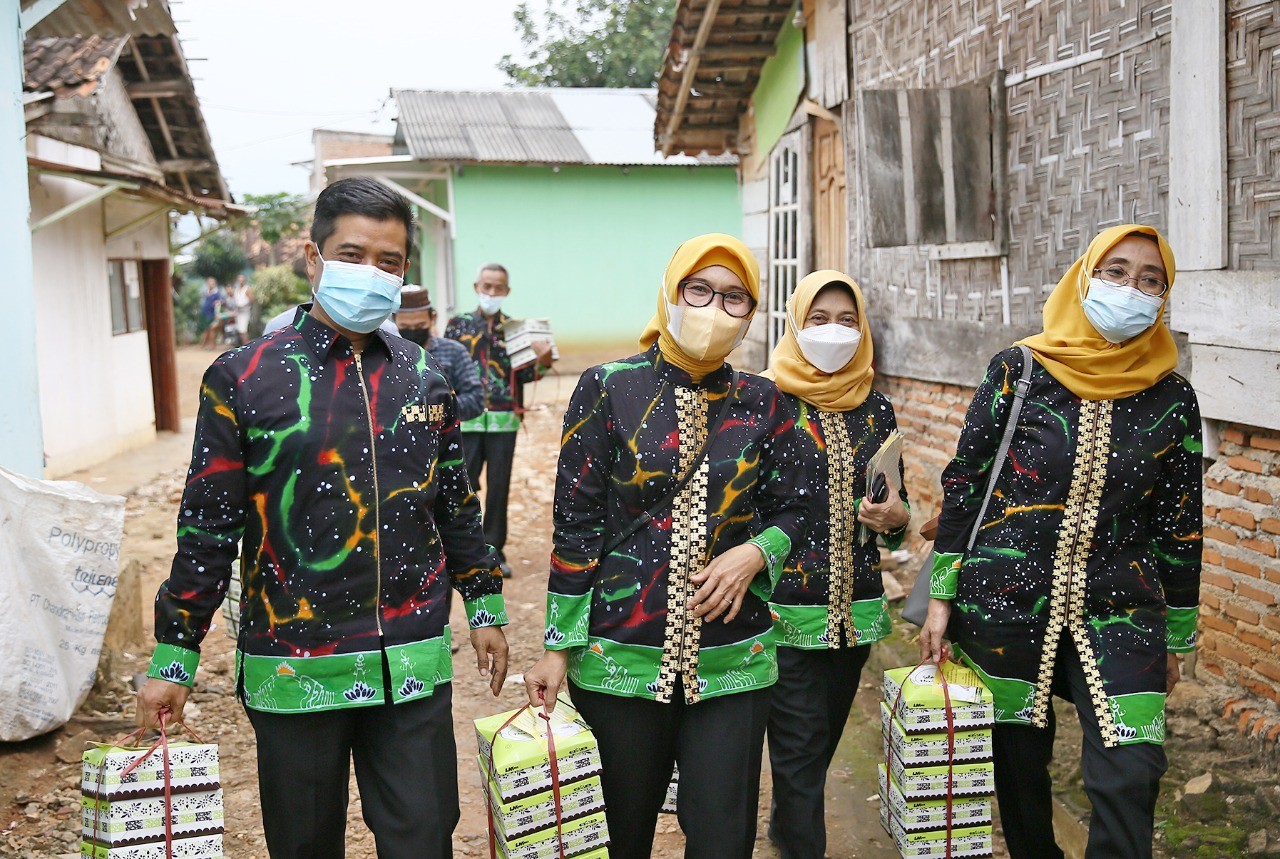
(718,745)
(811,702)
(496,451)
(1122,783)
(406,767)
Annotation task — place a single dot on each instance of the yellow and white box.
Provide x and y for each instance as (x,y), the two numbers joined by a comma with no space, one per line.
(969,746)
(533,813)
(123,817)
(521,763)
(924,815)
(584,835)
(922,707)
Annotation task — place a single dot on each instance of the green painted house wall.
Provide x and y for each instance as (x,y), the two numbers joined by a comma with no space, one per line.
(780,87)
(585,246)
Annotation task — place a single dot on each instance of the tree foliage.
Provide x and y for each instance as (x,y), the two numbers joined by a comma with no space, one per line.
(591,43)
(279,215)
(220,257)
(277,288)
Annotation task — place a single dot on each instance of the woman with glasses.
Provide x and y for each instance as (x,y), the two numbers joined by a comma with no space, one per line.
(1084,580)
(677,501)
(829,604)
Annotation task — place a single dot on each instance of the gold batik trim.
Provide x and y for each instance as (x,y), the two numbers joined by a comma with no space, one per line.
(843,522)
(683,634)
(1070,563)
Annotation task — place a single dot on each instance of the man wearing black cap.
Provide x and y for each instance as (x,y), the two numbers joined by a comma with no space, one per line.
(416,320)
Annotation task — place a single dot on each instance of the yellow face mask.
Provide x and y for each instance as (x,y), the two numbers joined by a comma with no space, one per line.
(705,333)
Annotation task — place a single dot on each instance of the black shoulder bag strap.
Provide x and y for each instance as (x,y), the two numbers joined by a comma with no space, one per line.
(647,516)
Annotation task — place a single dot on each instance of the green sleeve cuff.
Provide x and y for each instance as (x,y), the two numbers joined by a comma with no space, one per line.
(568,620)
(1180,628)
(893,539)
(775,546)
(488,610)
(173,663)
(944,575)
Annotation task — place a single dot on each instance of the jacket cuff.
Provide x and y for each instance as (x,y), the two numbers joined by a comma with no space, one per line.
(944,575)
(775,545)
(1180,628)
(568,619)
(488,610)
(173,663)
(893,539)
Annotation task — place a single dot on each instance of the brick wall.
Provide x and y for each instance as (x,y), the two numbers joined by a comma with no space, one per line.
(1240,584)
(930,415)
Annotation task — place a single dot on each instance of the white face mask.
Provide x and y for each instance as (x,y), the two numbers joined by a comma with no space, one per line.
(705,332)
(829,347)
(489,304)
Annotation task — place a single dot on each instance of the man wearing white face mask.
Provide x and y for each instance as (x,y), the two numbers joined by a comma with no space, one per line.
(328,456)
(829,605)
(490,439)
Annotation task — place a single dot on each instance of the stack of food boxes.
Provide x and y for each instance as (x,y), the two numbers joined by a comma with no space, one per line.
(515,764)
(519,336)
(921,757)
(123,816)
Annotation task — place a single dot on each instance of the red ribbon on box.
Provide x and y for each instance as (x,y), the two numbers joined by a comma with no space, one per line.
(951,741)
(545,715)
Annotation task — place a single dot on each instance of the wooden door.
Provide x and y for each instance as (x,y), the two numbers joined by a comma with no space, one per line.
(157,293)
(830,230)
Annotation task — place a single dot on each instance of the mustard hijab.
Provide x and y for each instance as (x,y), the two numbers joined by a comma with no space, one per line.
(846,388)
(694,255)
(1075,354)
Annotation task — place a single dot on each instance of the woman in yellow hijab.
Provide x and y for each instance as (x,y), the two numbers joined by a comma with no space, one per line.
(1084,579)
(829,604)
(677,501)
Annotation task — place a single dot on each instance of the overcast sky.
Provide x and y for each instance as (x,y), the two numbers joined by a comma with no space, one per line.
(269,71)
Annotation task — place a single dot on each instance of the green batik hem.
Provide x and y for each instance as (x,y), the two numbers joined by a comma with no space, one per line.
(308,684)
(492,422)
(1012,698)
(173,663)
(568,618)
(1180,628)
(632,670)
(804,627)
(488,610)
(1139,717)
(775,546)
(944,575)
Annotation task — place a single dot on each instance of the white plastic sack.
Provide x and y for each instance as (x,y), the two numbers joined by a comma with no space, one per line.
(59,558)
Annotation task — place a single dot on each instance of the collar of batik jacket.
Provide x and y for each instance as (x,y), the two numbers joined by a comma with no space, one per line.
(342,476)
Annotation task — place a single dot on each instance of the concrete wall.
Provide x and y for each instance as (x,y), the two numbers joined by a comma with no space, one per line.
(95,388)
(586,246)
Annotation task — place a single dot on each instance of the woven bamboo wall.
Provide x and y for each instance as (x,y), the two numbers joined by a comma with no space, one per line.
(1086,144)
(1253,134)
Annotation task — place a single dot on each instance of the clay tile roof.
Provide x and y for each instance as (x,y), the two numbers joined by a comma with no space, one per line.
(69,65)
(711,68)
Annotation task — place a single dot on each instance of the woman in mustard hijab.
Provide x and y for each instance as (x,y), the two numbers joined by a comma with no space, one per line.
(657,599)
(829,605)
(1084,580)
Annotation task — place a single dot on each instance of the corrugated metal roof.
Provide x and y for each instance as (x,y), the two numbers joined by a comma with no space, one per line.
(535,126)
(104,18)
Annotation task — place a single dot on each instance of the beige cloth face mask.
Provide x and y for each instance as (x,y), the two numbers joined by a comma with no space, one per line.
(705,333)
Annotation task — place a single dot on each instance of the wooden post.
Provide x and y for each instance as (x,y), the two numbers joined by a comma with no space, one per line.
(158,295)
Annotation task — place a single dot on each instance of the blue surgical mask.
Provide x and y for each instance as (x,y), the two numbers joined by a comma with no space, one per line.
(357,297)
(1118,312)
(489,304)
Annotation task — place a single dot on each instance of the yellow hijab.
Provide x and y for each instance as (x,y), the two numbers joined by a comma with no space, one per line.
(694,255)
(845,389)
(1075,354)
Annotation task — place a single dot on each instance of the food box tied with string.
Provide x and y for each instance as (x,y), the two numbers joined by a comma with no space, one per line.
(123,810)
(526,774)
(937,779)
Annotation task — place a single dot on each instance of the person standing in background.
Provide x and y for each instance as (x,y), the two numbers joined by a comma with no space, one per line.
(416,321)
(242,305)
(209,312)
(490,439)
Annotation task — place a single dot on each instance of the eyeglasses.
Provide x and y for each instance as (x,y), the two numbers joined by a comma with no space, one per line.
(1146,284)
(735,302)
